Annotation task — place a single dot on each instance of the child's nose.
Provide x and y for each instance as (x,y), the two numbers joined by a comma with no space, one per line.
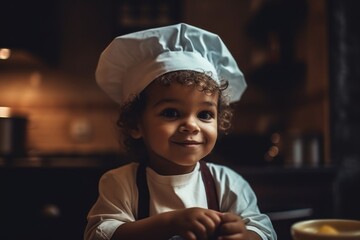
(189,126)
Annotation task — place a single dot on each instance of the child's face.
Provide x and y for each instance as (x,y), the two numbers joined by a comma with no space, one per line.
(178,126)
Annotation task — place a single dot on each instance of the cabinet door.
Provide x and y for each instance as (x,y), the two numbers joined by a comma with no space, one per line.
(46,203)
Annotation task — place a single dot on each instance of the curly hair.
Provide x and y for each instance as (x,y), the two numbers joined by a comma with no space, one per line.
(131,111)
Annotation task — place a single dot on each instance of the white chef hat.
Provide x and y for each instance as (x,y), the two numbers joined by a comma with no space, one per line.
(133,61)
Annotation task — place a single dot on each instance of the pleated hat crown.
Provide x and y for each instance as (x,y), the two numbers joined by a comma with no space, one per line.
(132,61)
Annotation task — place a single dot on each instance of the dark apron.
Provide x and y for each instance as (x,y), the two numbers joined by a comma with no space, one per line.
(144,196)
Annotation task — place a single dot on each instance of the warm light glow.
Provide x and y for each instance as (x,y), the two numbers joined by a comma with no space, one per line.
(35,79)
(275,138)
(273,151)
(5,112)
(5,53)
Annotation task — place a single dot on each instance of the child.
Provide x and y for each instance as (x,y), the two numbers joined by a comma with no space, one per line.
(168,82)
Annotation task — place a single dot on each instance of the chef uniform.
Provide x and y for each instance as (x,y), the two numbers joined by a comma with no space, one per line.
(134,191)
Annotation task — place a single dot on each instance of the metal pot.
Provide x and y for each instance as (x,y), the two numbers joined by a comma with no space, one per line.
(13,131)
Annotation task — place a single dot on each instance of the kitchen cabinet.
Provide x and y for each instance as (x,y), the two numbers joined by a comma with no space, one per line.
(46,203)
(52,202)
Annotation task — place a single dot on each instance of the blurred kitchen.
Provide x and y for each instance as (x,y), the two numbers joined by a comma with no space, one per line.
(295,134)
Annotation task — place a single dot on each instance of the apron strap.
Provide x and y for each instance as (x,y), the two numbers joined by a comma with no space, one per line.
(210,187)
(144,195)
(143,190)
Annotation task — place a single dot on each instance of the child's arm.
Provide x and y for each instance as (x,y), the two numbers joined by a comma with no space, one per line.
(233,227)
(191,223)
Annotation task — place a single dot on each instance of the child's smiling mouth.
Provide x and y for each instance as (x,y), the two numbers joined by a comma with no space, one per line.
(187,143)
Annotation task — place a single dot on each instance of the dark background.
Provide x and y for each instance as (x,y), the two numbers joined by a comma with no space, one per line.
(29,196)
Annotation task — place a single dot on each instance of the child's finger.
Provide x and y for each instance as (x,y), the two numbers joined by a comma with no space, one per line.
(200,230)
(215,216)
(228,217)
(231,228)
(231,224)
(188,235)
(232,237)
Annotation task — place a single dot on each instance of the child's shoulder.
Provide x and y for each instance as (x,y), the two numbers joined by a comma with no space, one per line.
(119,181)
(125,167)
(124,171)
(218,167)
(222,171)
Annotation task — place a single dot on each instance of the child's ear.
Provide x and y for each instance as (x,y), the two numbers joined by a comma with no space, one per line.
(135,133)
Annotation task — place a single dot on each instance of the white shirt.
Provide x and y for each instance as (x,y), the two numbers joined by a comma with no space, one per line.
(118,198)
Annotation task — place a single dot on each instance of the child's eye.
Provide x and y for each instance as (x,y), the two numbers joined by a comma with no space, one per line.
(170,113)
(206,115)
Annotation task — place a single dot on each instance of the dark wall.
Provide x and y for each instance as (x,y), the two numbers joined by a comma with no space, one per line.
(344,49)
(32,26)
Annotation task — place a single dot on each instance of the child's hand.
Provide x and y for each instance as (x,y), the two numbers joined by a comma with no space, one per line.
(232,227)
(196,223)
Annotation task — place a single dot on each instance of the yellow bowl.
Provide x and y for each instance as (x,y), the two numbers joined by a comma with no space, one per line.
(326,229)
